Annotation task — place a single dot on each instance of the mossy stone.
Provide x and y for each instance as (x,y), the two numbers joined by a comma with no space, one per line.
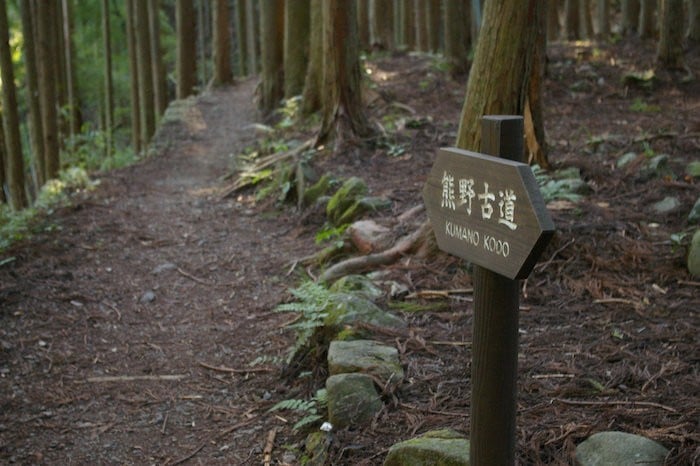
(367,357)
(619,449)
(352,400)
(436,448)
(346,196)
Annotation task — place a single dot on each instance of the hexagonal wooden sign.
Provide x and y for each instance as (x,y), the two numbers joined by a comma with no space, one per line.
(487,210)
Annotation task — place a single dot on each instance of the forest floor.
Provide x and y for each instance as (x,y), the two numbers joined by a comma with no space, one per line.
(129,320)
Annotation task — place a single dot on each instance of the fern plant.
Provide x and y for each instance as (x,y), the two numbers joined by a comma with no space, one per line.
(309,409)
(312,303)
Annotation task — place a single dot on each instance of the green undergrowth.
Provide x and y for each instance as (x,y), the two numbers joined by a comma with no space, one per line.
(20,225)
(309,410)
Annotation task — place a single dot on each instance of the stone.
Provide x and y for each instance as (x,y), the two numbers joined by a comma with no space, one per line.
(666,205)
(619,449)
(435,448)
(694,255)
(367,357)
(147,297)
(352,400)
(694,215)
(349,309)
(368,236)
(165,267)
(346,196)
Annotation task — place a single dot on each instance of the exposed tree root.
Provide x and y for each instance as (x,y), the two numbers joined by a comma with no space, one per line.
(360,264)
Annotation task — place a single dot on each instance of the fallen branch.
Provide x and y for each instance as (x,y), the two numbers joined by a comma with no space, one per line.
(131,378)
(192,277)
(188,456)
(389,256)
(649,404)
(438,293)
(231,370)
(269,445)
(433,411)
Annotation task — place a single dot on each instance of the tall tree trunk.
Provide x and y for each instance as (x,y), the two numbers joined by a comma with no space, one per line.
(646,18)
(694,20)
(535,140)
(433,25)
(61,77)
(409,25)
(602,16)
(3,178)
(109,87)
(30,65)
(311,97)
(420,8)
(343,116)
(630,16)
(146,94)
(48,70)
(381,21)
(74,117)
(500,76)
(202,27)
(296,45)
(133,77)
(363,27)
(457,38)
(13,145)
(572,19)
(160,85)
(253,35)
(271,41)
(222,43)
(585,22)
(186,63)
(670,49)
(553,26)
(242,38)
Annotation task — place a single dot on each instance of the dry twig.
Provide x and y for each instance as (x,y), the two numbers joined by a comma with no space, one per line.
(231,370)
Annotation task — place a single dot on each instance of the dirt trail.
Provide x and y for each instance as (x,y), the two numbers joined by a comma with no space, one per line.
(152,277)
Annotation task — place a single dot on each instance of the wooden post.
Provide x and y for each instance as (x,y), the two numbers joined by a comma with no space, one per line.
(495,330)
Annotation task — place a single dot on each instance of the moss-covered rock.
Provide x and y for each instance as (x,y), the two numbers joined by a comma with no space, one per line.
(314,192)
(619,449)
(367,357)
(435,448)
(352,400)
(349,309)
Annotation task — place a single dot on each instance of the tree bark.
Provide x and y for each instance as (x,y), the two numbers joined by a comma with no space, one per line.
(343,116)
(363,27)
(3,178)
(222,43)
(572,19)
(74,116)
(186,64)
(46,11)
(553,26)
(311,97)
(381,22)
(500,76)
(646,18)
(253,35)
(409,25)
(160,85)
(432,21)
(271,42)
(457,38)
(201,29)
(13,144)
(630,16)
(670,50)
(585,21)
(694,20)
(242,38)
(109,87)
(133,77)
(146,93)
(296,45)
(603,18)
(30,66)
(420,8)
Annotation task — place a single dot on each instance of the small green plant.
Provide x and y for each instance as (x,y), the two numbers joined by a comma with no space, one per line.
(312,302)
(309,409)
(638,105)
(331,233)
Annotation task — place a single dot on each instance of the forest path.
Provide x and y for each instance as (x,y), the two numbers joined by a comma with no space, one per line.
(111,329)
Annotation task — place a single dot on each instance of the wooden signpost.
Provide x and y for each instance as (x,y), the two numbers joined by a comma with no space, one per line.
(489,210)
